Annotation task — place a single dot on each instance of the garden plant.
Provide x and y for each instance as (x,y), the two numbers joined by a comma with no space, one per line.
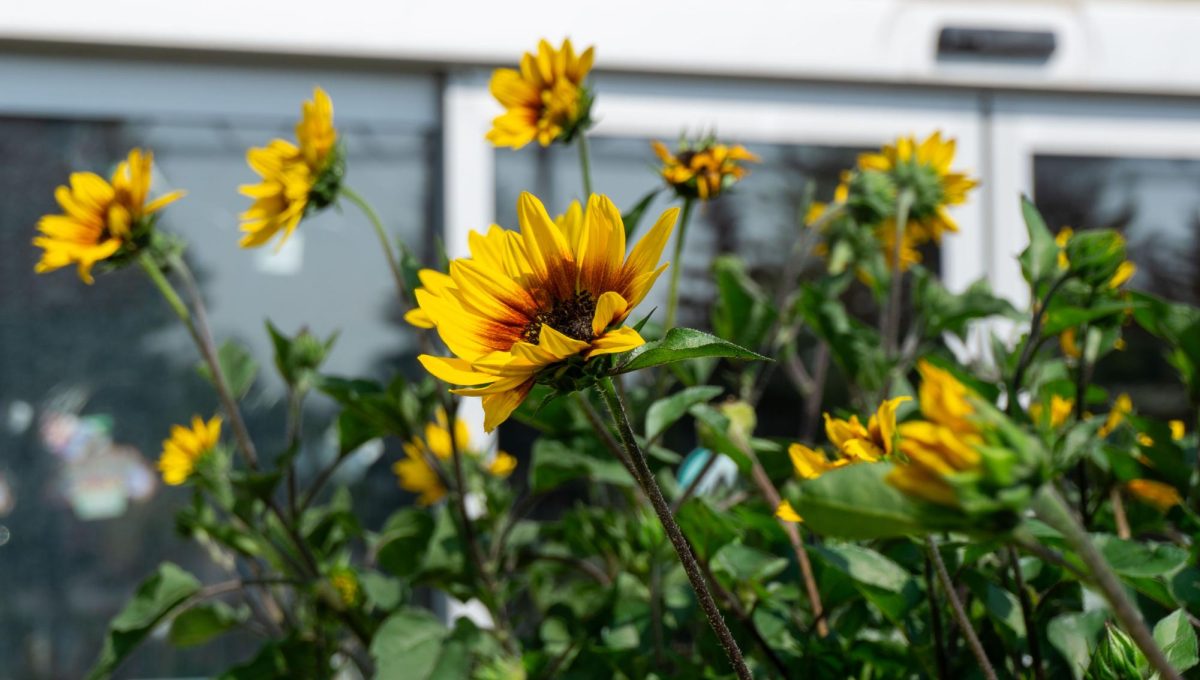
(950,514)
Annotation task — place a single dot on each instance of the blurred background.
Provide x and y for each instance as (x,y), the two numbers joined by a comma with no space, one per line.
(1090,107)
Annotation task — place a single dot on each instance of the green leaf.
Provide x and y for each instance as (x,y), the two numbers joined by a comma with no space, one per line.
(402,543)
(1076,636)
(1175,635)
(1061,316)
(1000,604)
(555,463)
(154,599)
(746,564)
(864,565)
(682,344)
(707,529)
(1039,260)
(633,217)
(407,645)
(203,622)
(663,413)
(355,429)
(1131,558)
(238,367)
(856,502)
(946,312)
(743,312)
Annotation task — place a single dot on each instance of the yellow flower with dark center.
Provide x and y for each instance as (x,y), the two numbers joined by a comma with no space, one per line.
(1069,345)
(545,100)
(531,299)
(1061,239)
(1121,407)
(1060,410)
(924,169)
(810,464)
(1178,429)
(787,513)
(1157,494)
(941,445)
(185,447)
(868,443)
(703,169)
(100,217)
(296,177)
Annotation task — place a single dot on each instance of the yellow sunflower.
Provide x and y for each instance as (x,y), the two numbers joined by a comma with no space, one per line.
(545,100)
(99,217)
(869,443)
(703,169)
(415,473)
(924,169)
(940,445)
(544,295)
(185,447)
(295,179)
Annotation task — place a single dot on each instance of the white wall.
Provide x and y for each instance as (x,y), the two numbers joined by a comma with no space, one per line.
(1121,46)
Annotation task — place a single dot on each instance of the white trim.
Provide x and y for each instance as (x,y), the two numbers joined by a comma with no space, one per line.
(1144,46)
(1024,126)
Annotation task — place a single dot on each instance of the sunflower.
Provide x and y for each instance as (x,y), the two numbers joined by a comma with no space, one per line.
(869,443)
(923,169)
(542,296)
(942,444)
(295,179)
(545,100)
(100,218)
(415,472)
(185,447)
(702,169)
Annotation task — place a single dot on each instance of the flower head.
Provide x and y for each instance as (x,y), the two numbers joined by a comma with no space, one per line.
(297,178)
(868,443)
(940,445)
(1178,429)
(1122,406)
(1160,495)
(502,465)
(924,170)
(545,100)
(101,218)
(1060,410)
(1061,240)
(185,447)
(544,296)
(703,169)
(415,472)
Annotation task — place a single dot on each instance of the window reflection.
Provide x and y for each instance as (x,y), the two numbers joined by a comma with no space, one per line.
(92,377)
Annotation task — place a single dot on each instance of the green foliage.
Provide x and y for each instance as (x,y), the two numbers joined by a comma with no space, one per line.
(682,344)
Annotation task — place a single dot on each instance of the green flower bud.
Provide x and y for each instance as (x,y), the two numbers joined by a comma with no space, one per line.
(1117,658)
(871,197)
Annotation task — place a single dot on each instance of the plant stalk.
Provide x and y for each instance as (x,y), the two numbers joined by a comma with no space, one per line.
(585,166)
(1053,510)
(677,264)
(678,541)
(960,615)
(891,319)
(384,241)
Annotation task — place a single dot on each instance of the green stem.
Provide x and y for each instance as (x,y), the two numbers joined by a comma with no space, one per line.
(1052,510)
(164,286)
(960,614)
(384,241)
(677,264)
(891,319)
(646,479)
(1031,344)
(585,166)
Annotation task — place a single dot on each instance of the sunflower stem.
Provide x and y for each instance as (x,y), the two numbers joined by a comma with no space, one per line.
(677,264)
(585,166)
(384,241)
(960,614)
(1053,510)
(891,320)
(646,479)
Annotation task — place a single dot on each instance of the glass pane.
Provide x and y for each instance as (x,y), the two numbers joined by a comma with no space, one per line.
(1155,203)
(91,377)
